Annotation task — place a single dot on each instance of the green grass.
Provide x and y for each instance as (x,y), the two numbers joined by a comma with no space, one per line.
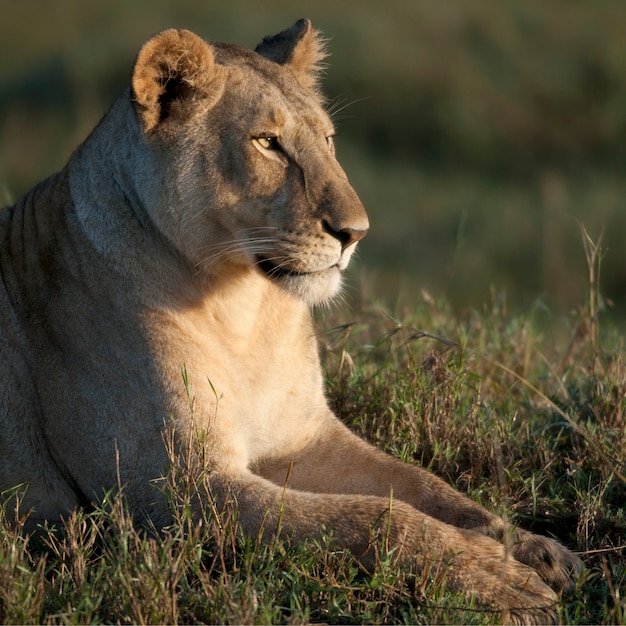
(529,426)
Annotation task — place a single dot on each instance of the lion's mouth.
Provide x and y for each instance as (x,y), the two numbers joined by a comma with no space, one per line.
(276,271)
(312,287)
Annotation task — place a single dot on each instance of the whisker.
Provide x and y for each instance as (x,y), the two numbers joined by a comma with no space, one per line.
(241,243)
(279,262)
(247,245)
(339,105)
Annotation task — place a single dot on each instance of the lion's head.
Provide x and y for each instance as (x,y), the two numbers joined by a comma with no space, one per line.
(239,169)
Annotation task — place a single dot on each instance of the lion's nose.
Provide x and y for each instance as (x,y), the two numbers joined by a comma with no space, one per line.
(346,236)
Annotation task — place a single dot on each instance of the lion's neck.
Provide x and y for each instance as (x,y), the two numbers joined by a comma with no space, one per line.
(243,309)
(105,200)
(237,305)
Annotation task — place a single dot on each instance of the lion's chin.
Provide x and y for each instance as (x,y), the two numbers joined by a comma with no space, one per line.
(315,289)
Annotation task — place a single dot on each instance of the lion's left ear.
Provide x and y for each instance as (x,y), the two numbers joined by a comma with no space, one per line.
(301,48)
(172,70)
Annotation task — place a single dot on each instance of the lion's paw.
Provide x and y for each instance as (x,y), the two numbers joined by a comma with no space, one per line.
(554,563)
(518,593)
(528,600)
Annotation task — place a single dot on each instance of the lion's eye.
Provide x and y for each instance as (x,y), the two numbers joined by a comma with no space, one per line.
(269,146)
(331,143)
(268,142)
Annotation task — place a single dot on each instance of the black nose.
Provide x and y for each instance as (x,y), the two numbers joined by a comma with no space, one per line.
(346,235)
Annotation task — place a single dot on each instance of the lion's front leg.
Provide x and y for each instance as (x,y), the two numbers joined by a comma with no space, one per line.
(339,462)
(366,525)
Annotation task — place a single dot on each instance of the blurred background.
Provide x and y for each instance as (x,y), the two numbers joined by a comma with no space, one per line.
(480,135)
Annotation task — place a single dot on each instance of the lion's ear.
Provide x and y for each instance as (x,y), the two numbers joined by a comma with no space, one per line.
(172,68)
(301,48)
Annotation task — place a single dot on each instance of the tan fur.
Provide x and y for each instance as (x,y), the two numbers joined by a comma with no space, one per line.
(182,240)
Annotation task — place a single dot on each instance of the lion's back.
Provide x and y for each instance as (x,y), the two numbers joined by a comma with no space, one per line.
(24,459)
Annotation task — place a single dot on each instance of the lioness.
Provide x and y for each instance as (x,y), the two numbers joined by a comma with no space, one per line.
(194,230)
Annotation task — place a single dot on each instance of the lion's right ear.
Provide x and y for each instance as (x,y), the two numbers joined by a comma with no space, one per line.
(300,48)
(172,68)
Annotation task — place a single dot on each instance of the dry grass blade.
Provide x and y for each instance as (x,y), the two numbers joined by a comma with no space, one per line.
(615,463)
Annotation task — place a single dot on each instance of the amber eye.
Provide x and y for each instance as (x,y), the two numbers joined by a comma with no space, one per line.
(267,142)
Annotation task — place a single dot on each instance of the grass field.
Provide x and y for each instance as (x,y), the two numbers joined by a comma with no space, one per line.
(529,427)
